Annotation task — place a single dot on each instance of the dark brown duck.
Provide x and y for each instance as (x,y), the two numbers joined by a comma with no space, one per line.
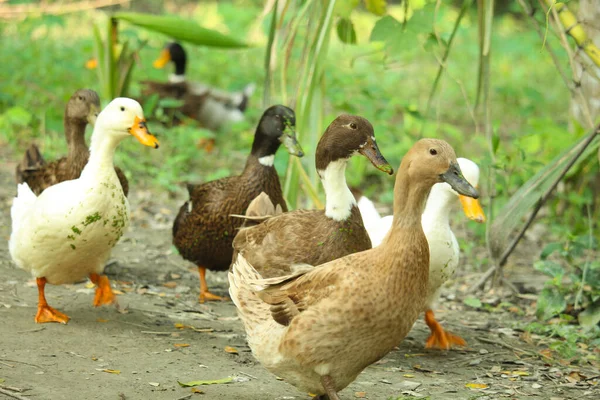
(83,108)
(284,243)
(204,229)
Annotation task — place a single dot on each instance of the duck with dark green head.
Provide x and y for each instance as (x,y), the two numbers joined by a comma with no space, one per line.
(204,228)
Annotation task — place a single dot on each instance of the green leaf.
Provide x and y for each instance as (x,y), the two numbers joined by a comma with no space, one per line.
(472,302)
(208,382)
(550,268)
(550,302)
(344,8)
(549,249)
(181,29)
(591,315)
(385,28)
(345,31)
(377,7)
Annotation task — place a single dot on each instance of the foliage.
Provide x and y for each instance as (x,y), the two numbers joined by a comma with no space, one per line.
(574,283)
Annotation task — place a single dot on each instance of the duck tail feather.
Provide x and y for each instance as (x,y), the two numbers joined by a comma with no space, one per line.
(22,203)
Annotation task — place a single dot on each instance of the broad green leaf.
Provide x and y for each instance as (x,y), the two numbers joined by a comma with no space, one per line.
(345,31)
(472,302)
(591,315)
(550,268)
(550,248)
(550,302)
(377,7)
(344,8)
(207,382)
(385,28)
(181,29)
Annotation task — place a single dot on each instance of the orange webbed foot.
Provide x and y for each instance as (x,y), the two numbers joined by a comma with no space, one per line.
(104,294)
(439,338)
(208,296)
(45,313)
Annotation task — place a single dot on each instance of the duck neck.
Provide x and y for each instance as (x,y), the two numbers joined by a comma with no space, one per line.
(264,148)
(102,151)
(75,136)
(338,197)
(437,207)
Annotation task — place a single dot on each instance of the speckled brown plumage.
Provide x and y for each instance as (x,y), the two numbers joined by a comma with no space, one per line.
(319,329)
(178,91)
(204,229)
(282,244)
(83,107)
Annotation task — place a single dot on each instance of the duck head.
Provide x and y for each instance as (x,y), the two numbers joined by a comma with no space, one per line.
(123,117)
(347,136)
(173,52)
(83,107)
(276,126)
(432,161)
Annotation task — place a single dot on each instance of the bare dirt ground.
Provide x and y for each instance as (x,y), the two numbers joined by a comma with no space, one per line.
(162,336)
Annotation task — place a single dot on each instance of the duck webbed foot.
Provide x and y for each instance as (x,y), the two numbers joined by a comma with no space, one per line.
(329,386)
(439,338)
(104,294)
(205,295)
(45,313)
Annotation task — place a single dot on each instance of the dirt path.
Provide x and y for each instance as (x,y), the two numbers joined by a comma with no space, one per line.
(162,335)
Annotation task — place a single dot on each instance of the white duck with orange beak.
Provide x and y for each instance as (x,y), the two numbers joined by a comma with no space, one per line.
(67,232)
(443,246)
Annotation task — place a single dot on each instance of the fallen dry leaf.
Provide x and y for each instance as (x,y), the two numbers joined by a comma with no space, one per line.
(112,371)
(414,355)
(101,320)
(179,325)
(117,291)
(209,382)
(90,285)
(155,384)
(181,345)
(197,391)
(360,395)
(476,385)
(231,350)
(170,284)
(408,375)
(175,276)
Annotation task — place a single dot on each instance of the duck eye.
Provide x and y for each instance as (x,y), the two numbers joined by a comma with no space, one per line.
(353,125)
(433,152)
(122,108)
(80,98)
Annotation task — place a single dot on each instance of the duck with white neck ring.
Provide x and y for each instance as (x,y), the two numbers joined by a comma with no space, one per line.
(68,231)
(204,228)
(443,246)
(320,328)
(285,243)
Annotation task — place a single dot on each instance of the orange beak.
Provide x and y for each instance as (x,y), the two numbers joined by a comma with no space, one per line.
(163,59)
(472,208)
(92,63)
(140,131)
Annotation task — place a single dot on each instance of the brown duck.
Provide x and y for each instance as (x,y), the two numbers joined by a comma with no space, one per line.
(319,329)
(282,244)
(82,108)
(204,228)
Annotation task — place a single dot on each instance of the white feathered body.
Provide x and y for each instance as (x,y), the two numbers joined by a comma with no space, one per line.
(69,230)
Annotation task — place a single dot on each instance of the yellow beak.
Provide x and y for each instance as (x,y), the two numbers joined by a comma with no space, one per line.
(472,208)
(140,131)
(163,59)
(92,63)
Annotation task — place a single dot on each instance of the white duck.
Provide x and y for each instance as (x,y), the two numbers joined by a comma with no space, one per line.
(67,233)
(443,246)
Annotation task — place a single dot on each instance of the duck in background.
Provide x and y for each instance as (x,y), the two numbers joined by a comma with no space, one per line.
(82,109)
(281,244)
(204,229)
(213,108)
(319,329)
(443,246)
(67,233)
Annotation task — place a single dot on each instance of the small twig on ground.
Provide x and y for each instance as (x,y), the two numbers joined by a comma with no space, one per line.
(12,388)
(33,330)
(251,376)
(7,364)
(12,394)
(21,362)
(157,333)
(506,345)
(187,396)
